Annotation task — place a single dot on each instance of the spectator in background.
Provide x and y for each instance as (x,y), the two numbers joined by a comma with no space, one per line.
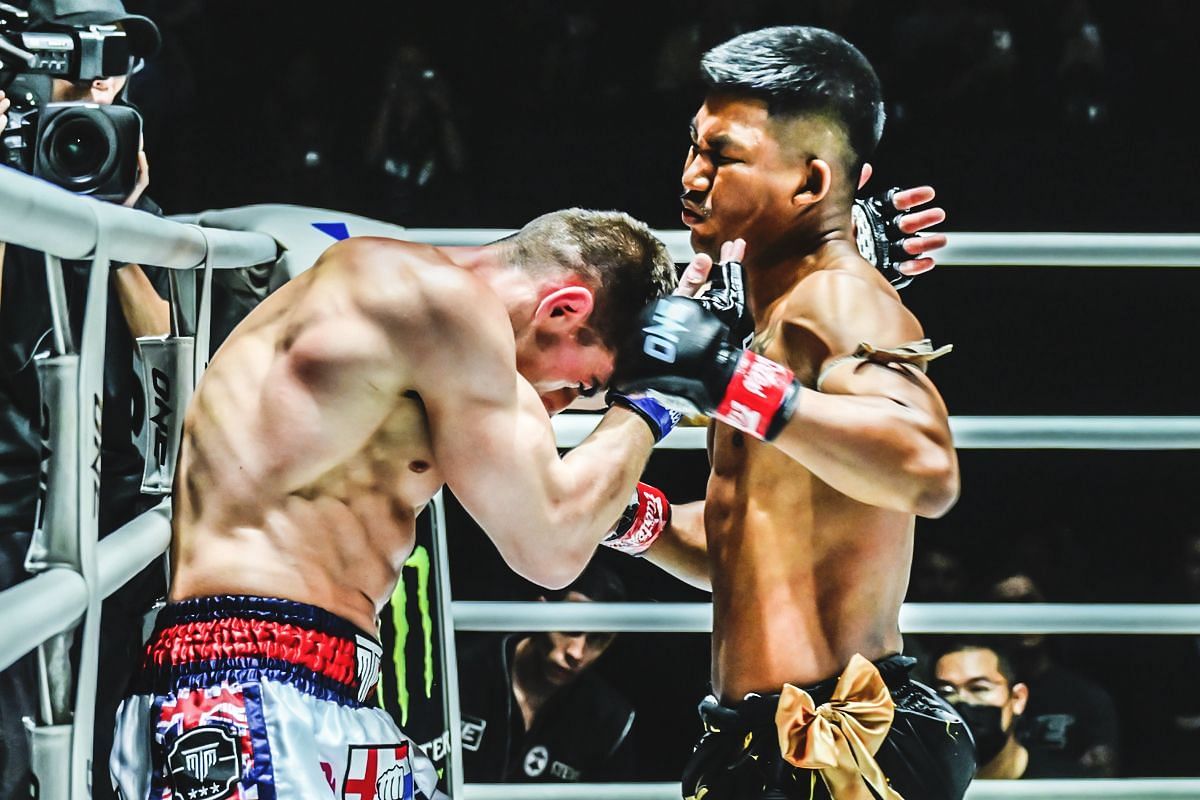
(134,309)
(1069,717)
(981,682)
(534,710)
(415,156)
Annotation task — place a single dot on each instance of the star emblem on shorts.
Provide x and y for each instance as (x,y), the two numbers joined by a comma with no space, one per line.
(204,791)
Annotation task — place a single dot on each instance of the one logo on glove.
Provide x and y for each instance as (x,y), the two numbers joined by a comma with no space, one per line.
(378,772)
(204,763)
(663,335)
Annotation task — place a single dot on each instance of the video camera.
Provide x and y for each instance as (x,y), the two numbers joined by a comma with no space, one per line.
(84,147)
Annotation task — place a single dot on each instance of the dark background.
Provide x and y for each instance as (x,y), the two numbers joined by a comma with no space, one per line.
(1026,116)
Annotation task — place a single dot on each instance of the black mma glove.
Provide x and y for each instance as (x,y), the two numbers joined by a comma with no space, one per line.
(681,355)
(879,238)
(726,298)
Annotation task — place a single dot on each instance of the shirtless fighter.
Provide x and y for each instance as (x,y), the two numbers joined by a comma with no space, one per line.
(322,427)
(829,440)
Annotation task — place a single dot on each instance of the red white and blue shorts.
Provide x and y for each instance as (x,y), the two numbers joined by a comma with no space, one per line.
(261,699)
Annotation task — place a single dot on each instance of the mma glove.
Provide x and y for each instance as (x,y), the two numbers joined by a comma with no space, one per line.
(879,237)
(681,355)
(645,518)
(726,298)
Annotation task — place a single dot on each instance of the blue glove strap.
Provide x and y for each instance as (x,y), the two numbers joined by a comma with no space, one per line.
(660,418)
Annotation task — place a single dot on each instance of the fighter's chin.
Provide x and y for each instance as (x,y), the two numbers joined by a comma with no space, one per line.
(703,241)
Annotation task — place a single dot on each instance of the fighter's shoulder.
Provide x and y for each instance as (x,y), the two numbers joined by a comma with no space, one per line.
(844,300)
(411,283)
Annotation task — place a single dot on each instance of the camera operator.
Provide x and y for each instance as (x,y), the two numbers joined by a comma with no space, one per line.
(135,309)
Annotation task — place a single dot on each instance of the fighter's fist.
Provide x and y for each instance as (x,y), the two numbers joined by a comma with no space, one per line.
(646,517)
(681,354)
(679,351)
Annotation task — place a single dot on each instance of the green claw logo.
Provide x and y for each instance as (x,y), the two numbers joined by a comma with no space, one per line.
(419,562)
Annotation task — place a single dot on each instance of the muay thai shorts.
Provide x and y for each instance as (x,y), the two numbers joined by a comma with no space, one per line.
(261,699)
(926,754)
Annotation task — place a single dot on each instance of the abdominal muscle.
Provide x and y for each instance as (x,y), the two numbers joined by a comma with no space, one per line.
(343,555)
(803,577)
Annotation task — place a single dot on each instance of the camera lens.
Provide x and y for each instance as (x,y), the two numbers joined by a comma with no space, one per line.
(79,148)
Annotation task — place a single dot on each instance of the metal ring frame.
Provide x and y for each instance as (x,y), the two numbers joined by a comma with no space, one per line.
(64,225)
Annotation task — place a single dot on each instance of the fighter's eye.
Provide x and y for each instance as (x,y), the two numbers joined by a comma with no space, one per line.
(588,391)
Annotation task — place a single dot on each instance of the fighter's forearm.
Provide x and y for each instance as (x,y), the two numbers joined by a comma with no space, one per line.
(590,488)
(146,314)
(681,549)
(875,450)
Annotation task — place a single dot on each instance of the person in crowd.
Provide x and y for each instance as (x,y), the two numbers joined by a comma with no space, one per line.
(534,708)
(1069,716)
(981,681)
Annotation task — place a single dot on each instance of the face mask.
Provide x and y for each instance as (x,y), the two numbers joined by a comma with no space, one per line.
(984,724)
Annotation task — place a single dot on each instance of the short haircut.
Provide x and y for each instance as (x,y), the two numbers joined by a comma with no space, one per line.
(597,582)
(802,71)
(615,255)
(1004,659)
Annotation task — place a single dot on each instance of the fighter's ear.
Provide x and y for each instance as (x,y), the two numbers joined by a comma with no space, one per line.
(1020,696)
(565,309)
(818,181)
(865,174)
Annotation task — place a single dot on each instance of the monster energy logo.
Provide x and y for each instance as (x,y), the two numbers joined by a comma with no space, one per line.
(418,562)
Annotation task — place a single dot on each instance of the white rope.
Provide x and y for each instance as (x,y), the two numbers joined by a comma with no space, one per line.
(984,433)
(129,549)
(964,249)
(1116,789)
(990,618)
(39,609)
(45,217)
(42,216)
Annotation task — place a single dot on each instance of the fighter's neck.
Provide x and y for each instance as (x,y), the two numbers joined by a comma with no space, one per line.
(515,288)
(772,272)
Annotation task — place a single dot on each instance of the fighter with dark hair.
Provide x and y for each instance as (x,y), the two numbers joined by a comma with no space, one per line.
(829,440)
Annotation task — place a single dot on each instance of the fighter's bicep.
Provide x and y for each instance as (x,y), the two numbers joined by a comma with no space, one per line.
(494,453)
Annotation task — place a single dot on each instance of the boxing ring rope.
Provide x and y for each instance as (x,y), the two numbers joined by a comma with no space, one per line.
(983,618)
(74,573)
(985,433)
(964,249)
(45,218)
(1059,789)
